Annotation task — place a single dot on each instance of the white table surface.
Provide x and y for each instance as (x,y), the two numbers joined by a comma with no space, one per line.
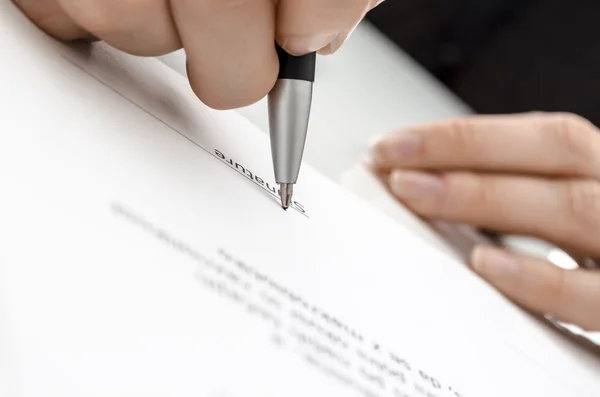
(367,88)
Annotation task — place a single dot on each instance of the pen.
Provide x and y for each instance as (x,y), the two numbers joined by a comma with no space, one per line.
(289,104)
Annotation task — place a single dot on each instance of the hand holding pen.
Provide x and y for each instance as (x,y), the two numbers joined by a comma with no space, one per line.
(232,61)
(232,57)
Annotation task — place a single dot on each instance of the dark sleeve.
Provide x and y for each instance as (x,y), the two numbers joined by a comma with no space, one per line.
(443,34)
(504,56)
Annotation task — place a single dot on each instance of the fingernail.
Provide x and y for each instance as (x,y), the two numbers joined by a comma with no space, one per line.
(369,158)
(367,161)
(304,45)
(493,262)
(374,140)
(336,43)
(407,184)
(396,147)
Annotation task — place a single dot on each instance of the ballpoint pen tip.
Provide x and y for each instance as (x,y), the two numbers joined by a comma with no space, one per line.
(285,193)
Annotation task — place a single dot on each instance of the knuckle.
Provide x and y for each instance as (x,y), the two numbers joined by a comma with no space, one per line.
(485,190)
(572,118)
(583,201)
(556,286)
(466,196)
(577,136)
(459,135)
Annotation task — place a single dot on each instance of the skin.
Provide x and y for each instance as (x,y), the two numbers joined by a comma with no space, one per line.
(530,174)
(229,43)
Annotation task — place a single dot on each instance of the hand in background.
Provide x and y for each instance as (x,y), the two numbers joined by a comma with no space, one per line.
(527,174)
(229,43)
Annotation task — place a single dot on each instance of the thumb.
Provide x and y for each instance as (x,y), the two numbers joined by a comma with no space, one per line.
(572,296)
(305,26)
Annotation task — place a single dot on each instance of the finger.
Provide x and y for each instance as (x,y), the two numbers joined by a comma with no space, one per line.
(564,212)
(573,296)
(139,27)
(305,26)
(50,17)
(230,48)
(550,144)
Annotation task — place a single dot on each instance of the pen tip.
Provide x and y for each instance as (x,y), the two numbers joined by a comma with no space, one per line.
(285,193)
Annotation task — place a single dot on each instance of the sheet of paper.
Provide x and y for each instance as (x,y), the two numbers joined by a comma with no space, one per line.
(144,254)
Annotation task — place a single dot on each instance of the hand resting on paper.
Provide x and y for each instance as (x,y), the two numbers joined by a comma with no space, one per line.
(229,44)
(532,174)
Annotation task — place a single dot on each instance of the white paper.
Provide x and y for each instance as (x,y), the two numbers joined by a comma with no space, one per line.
(136,261)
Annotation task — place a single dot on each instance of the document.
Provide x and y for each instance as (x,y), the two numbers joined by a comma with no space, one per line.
(144,253)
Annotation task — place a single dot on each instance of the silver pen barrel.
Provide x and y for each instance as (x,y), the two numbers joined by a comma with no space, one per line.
(289,105)
(289,112)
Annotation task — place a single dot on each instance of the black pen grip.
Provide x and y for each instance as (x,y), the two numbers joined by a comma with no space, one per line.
(296,67)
